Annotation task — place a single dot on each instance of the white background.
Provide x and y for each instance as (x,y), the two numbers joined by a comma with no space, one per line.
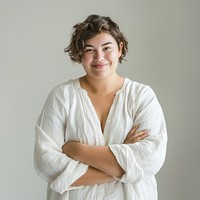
(164,52)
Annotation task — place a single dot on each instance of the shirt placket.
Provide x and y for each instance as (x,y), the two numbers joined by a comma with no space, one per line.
(95,117)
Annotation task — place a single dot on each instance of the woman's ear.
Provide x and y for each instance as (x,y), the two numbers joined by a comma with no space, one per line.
(121,45)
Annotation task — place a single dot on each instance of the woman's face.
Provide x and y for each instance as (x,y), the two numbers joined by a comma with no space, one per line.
(101,56)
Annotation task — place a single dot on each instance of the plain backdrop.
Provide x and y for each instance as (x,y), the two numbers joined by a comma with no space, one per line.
(164,52)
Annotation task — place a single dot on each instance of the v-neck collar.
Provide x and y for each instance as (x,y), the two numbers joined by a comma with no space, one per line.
(78,85)
(91,106)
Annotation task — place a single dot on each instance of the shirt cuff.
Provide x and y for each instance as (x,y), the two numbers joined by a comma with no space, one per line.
(127,161)
(63,182)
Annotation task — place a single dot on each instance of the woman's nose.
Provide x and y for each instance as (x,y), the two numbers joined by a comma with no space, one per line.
(99,56)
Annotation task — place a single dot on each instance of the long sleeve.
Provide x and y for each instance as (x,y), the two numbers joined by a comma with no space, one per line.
(50,163)
(144,159)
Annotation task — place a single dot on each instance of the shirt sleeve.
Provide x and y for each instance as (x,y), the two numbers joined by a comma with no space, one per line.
(50,163)
(144,158)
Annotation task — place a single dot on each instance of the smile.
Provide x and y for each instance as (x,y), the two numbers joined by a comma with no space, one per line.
(99,66)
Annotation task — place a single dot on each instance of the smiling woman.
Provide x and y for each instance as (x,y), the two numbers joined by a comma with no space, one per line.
(100,56)
(92,26)
(100,136)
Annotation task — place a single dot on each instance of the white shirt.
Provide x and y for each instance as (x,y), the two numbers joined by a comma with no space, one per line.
(68,115)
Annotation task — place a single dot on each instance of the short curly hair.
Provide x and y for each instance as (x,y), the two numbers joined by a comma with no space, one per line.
(93,25)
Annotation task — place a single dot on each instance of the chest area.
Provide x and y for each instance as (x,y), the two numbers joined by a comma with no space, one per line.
(98,121)
(102,106)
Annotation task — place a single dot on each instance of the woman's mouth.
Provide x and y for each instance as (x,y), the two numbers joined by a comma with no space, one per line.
(99,66)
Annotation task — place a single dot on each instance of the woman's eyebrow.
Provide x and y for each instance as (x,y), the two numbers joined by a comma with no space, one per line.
(106,43)
(88,45)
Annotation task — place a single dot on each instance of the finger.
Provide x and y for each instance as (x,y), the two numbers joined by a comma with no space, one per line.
(135,134)
(132,132)
(140,133)
(134,129)
(136,137)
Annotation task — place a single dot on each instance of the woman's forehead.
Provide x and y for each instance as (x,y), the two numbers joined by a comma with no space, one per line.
(101,39)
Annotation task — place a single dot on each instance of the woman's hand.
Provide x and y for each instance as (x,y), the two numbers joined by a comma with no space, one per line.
(134,136)
(72,149)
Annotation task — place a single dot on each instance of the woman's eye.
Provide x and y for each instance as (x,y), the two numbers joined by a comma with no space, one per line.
(89,50)
(107,49)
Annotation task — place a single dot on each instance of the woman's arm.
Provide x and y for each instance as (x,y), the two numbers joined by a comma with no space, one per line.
(100,157)
(93,176)
(144,158)
(49,161)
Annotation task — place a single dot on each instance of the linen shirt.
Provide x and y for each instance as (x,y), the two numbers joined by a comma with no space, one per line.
(69,115)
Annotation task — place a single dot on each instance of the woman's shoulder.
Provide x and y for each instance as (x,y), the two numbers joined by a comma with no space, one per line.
(65,87)
(135,86)
(63,91)
(140,92)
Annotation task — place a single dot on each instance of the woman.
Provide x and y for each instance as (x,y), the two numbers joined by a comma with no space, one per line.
(101,136)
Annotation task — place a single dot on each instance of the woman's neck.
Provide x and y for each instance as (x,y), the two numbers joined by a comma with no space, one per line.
(101,87)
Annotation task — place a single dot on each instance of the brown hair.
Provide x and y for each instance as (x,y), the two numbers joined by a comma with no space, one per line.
(93,25)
